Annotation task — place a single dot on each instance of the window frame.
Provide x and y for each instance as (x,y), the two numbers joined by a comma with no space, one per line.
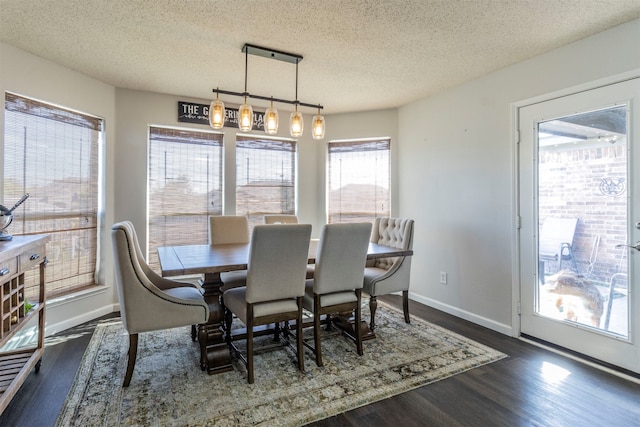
(190,226)
(358,183)
(289,177)
(72,223)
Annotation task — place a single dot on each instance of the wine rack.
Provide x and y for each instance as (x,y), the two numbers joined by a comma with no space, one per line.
(18,256)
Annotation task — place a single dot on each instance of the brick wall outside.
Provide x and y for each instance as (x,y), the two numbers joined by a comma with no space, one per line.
(589,184)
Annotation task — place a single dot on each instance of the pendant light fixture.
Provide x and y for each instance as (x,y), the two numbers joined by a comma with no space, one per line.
(296,123)
(317,126)
(245,112)
(216,113)
(271,120)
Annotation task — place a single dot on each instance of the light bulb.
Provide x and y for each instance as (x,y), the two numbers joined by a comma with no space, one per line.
(317,130)
(271,120)
(245,117)
(216,114)
(296,123)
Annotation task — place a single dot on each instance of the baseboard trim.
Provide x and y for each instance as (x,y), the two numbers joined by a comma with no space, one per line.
(63,312)
(463,314)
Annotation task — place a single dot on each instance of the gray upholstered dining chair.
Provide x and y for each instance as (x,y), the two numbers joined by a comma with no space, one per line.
(388,275)
(149,302)
(275,285)
(229,229)
(337,285)
(280,219)
(287,219)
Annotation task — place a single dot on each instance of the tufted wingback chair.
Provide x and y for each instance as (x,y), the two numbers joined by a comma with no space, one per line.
(388,275)
(149,302)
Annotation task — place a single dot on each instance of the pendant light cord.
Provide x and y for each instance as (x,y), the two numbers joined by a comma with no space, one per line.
(297,60)
(246,66)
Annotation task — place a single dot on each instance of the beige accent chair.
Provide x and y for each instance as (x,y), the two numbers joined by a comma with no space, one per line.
(229,229)
(275,285)
(388,275)
(337,285)
(149,302)
(280,219)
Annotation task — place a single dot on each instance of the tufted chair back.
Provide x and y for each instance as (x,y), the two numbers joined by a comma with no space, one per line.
(388,275)
(394,232)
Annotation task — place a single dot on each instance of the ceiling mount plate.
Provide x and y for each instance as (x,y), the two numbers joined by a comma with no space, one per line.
(271,53)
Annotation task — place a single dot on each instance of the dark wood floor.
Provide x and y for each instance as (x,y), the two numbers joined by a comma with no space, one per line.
(532,387)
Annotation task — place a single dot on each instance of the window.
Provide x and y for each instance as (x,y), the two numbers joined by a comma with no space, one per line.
(265,177)
(185,187)
(53,154)
(358,180)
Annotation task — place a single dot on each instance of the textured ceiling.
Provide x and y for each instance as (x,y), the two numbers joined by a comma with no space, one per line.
(358,54)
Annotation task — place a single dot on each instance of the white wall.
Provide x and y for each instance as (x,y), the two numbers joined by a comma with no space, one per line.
(456,173)
(35,77)
(452,159)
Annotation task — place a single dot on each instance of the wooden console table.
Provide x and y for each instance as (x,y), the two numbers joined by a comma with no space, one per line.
(18,256)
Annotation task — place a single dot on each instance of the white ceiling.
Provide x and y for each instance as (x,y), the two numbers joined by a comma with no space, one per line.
(358,54)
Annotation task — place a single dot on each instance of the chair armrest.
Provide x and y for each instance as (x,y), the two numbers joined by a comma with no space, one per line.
(163,283)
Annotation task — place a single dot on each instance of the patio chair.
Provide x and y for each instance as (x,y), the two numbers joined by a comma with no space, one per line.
(556,243)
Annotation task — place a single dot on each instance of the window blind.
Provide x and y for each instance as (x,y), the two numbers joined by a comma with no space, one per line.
(185,187)
(265,177)
(358,180)
(53,154)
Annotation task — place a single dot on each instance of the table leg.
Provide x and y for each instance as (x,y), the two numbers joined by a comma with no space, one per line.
(214,351)
(346,323)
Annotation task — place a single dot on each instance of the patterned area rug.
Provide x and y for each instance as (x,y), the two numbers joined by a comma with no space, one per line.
(168,387)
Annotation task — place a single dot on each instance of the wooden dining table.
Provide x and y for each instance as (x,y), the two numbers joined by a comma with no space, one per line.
(210,261)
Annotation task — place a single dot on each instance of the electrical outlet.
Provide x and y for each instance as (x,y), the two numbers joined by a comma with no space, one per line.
(443,277)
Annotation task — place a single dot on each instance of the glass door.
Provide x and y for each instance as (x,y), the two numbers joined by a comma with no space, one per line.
(579,205)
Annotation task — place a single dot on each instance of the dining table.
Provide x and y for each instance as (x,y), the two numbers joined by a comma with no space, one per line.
(211,260)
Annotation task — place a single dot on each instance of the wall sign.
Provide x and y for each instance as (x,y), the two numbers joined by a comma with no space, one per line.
(189,112)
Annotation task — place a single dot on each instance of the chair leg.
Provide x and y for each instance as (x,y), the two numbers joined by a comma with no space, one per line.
(133,351)
(405,306)
(316,329)
(194,332)
(373,305)
(276,331)
(299,336)
(250,378)
(358,324)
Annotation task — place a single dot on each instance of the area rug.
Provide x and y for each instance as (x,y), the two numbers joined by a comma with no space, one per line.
(169,389)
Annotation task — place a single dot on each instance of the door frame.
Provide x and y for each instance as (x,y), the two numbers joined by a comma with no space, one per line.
(515,208)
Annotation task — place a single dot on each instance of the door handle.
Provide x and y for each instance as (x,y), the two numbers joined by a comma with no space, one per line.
(636,247)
